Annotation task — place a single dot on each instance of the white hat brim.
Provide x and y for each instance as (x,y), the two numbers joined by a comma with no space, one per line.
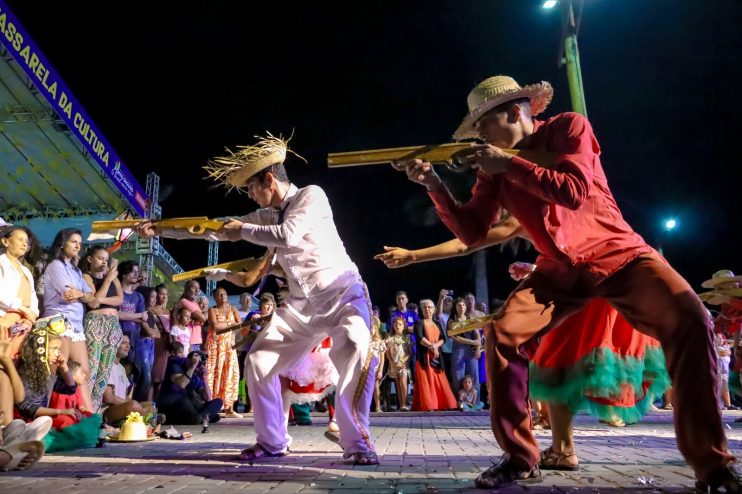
(721,280)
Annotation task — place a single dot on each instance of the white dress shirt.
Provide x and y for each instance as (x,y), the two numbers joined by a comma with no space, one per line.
(306,242)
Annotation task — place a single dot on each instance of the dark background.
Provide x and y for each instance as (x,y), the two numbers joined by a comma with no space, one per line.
(170,86)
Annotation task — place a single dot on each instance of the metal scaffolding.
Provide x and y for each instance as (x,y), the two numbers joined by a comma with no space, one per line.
(213,259)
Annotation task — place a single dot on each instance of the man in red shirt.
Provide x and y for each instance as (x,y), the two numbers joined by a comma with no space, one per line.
(586,250)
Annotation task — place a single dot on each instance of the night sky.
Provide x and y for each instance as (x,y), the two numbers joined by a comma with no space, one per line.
(170,86)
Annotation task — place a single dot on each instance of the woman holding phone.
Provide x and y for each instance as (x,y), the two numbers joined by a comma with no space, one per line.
(102,329)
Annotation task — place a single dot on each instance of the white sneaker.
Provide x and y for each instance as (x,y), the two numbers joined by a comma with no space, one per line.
(36,430)
(14,430)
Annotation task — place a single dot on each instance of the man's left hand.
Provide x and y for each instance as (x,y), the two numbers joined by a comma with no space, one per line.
(486,157)
(232,230)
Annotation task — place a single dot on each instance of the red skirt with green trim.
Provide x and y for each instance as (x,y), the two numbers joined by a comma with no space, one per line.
(597,362)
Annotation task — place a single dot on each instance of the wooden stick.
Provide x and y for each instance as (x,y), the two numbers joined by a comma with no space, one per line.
(245,324)
(460,327)
(195,225)
(234,266)
(433,153)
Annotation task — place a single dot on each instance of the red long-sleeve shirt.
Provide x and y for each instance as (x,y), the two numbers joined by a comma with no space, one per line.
(567,209)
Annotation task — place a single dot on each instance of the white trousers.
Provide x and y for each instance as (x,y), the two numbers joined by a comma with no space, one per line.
(343,314)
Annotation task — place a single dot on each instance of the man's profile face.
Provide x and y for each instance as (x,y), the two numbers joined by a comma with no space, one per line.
(260,191)
(495,127)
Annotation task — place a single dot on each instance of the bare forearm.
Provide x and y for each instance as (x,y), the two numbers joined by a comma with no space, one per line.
(19,393)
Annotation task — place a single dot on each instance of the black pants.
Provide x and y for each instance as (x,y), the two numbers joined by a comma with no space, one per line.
(188,410)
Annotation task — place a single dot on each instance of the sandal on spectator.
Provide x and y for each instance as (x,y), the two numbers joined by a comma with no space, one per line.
(552,460)
(614,422)
(505,473)
(365,458)
(257,452)
(333,436)
(23,455)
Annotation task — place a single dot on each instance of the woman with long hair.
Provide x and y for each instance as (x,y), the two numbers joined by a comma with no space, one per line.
(466,349)
(221,366)
(160,316)
(66,293)
(102,329)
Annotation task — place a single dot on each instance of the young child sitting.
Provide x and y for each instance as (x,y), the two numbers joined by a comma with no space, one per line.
(468,399)
(180,330)
(66,394)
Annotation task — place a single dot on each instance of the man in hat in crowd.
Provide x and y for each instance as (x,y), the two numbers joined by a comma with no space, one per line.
(327,298)
(727,294)
(586,250)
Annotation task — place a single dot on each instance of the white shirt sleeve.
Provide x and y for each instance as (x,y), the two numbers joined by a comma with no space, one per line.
(306,210)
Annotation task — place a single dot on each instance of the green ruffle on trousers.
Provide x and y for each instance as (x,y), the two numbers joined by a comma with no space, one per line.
(735,387)
(603,373)
(83,434)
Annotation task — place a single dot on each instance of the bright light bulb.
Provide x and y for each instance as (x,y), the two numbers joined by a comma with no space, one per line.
(670,224)
(549,4)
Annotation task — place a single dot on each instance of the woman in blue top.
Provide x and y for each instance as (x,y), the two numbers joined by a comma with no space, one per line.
(65,292)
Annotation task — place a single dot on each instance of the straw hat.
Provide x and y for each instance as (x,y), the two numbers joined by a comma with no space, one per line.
(234,170)
(719,277)
(495,91)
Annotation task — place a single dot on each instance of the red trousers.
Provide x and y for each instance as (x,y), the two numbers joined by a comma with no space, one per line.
(655,300)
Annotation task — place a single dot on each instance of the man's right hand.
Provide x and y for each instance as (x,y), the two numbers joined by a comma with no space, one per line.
(420,172)
(146,229)
(395,257)
(521,270)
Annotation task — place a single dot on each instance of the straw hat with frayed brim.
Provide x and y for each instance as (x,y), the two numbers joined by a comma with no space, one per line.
(719,277)
(495,91)
(234,170)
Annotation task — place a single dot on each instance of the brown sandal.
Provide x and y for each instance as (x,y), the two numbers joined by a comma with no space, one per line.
(257,452)
(505,473)
(365,458)
(551,460)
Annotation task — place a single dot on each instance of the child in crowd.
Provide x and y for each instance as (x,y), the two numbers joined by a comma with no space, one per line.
(724,357)
(398,352)
(378,348)
(180,331)
(116,397)
(41,358)
(40,354)
(468,398)
(66,394)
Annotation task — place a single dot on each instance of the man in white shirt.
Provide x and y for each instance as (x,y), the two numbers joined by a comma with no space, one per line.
(327,298)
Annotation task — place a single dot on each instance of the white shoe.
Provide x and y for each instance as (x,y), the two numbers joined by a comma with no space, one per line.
(14,430)
(332,426)
(36,430)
